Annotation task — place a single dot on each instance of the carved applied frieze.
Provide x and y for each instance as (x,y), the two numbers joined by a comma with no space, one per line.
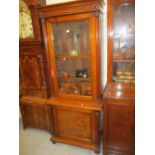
(30,72)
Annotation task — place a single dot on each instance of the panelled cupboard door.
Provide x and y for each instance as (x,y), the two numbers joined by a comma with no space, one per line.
(120,124)
(74,56)
(77,126)
(30,72)
(33,78)
(36,116)
(119,127)
(28,118)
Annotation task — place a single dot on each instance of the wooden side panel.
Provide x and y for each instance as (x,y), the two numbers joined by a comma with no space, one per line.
(36,116)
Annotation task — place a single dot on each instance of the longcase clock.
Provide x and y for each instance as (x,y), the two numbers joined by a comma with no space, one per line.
(33,81)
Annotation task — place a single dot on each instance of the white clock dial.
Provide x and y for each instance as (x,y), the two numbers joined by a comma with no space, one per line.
(25,25)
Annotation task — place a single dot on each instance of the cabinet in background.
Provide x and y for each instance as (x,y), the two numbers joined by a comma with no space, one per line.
(119,94)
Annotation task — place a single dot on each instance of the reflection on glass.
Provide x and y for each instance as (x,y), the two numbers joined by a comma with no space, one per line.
(124,44)
(124,72)
(71,45)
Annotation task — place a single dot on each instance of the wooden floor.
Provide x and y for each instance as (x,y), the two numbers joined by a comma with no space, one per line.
(36,142)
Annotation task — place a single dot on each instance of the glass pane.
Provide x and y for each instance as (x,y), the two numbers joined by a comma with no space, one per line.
(71,45)
(71,38)
(124,43)
(124,72)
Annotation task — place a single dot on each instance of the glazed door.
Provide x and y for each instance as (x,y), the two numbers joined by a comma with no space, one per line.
(72,55)
(121,41)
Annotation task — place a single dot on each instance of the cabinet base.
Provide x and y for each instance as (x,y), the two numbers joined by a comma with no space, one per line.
(117,151)
(96,148)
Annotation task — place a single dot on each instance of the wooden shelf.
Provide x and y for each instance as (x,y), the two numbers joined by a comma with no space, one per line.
(124,61)
(72,57)
(76,79)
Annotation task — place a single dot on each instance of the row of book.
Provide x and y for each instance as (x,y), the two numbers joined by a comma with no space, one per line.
(125,77)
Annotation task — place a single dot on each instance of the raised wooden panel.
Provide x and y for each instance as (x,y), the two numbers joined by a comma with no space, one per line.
(74,124)
(30,72)
(27,115)
(33,71)
(119,135)
(120,126)
(35,115)
(41,117)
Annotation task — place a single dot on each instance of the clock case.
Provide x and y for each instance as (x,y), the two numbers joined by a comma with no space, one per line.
(33,77)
